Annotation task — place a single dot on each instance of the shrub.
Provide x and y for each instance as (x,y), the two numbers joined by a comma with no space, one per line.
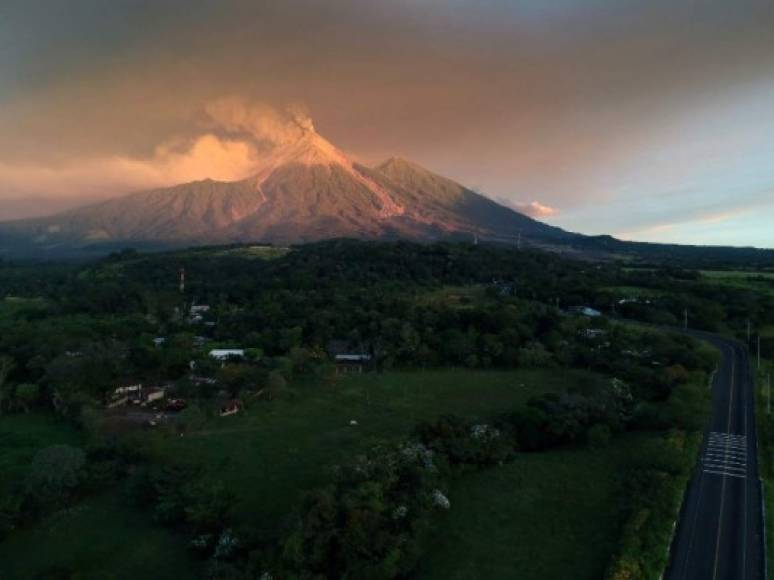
(368,524)
(464,443)
(598,436)
(55,473)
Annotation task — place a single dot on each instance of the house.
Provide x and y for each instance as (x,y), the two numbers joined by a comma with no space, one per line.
(127,392)
(623,301)
(225,354)
(135,392)
(152,394)
(231,408)
(586,311)
(197,312)
(159,341)
(198,381)
(593,333)
(118,401)
(175,405)
(348,359)
(129,388)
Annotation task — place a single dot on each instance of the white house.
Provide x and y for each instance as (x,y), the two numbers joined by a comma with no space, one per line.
(224,354)
(127,389)
(154,394)
(355,357)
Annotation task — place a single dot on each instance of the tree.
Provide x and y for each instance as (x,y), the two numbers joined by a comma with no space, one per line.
(598,436)
(208,505)
(275,384)
(191,418)
(26,395)
(6,366)
(55,472)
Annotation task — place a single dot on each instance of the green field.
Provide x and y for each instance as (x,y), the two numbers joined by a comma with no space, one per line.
(554,514)
(255,252)
(97,539)
(635,291)
(11,307)
(21,436)
(274,452)
(747,280)
(737,274)
(547,515)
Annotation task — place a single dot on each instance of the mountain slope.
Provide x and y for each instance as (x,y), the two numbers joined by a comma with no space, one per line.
(303,191)
(438,198)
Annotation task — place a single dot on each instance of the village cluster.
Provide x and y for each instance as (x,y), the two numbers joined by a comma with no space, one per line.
(152,402)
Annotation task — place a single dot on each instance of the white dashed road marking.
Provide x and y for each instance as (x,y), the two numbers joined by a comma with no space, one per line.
(726,454)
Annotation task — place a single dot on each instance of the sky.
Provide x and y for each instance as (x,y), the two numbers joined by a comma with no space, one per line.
(646,119)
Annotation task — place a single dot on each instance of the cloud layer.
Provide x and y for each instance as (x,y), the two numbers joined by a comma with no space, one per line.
(233,135)
(533,209)
(598,108)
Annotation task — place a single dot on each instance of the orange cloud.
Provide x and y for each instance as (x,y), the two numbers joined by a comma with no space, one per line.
(533,209)
(235,135)
(206,156)
(258,121)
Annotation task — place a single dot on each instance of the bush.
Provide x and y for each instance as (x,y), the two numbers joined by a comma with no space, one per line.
(369,523)
(191,418)
(10,512)
(55,473)
(462,442)
(598,436)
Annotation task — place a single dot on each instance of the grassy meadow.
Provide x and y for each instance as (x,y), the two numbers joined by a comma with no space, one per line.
(101,538)
(562,513)
(22,436)
(554,514)
(547,515)
(272,453)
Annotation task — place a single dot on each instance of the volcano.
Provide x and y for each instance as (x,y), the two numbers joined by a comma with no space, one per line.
(305,190)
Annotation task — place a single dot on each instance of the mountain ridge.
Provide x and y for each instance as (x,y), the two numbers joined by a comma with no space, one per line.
(304,190)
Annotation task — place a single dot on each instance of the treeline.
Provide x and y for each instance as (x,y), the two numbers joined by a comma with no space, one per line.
(663,295)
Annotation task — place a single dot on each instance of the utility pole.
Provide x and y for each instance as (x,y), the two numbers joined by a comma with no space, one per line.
(768,393)
(685,319)
(759,352)
(182,280)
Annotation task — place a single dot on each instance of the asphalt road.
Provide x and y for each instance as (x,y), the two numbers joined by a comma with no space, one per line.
(719,535)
